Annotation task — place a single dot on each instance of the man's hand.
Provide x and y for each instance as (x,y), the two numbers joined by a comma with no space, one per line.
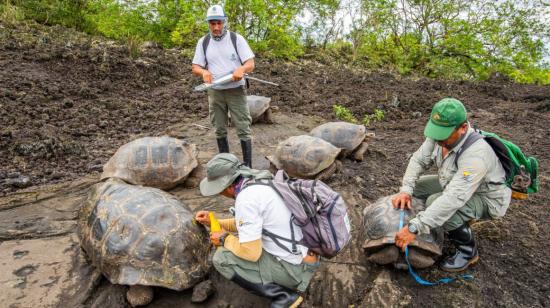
(206,76)
(203,218)
(238,73)
(404,237)
(215,237)
(402,201)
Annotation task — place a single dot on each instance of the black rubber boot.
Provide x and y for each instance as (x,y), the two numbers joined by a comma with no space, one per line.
(223,145)
(466,250)
(246,146)
(280,296)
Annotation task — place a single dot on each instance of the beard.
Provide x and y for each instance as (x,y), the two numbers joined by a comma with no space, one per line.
(221,36)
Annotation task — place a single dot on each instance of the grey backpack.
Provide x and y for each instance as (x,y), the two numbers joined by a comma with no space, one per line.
(318,210)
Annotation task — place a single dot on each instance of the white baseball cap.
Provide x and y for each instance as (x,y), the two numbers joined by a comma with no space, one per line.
(215,12)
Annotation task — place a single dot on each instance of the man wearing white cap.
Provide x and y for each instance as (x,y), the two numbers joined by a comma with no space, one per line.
(216,55)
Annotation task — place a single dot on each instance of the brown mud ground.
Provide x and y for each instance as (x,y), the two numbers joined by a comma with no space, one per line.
(68,101)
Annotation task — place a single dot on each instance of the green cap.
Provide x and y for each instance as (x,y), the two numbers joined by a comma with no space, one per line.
(223,169)
(446,115)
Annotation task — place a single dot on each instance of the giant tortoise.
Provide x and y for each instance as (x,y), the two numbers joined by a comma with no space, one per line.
(260,109)
(142,237)
(305,157)
(161,162)
(351,138)
(381,223)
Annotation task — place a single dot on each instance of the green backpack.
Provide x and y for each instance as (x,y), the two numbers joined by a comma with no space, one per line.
(521,170)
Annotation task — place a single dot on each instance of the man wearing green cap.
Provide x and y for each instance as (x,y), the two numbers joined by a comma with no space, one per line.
(251,259)
(470,184)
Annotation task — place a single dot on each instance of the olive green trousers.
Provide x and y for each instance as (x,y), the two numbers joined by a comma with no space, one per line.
(428,188)
(220,102)
(266,270)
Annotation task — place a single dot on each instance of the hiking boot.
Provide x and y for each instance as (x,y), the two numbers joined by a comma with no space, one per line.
(223,145)
(280,296)
(246,146)
(466,250)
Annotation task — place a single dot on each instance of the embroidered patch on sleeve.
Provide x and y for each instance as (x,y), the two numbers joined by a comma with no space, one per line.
(243,223)
(468,176)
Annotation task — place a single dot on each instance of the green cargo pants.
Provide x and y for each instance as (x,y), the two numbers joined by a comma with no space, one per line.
(230,100)
(267,269)
(428,188)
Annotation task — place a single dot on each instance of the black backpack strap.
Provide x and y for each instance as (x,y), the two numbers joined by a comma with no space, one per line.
(271,235)
(233,36)
(205,43)
(474,136)
(471,139)
(276,239)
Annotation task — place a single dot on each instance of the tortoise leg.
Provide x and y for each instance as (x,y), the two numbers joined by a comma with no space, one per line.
(329,171)
(343,153)
(359,154)
(267,116)
(418,259)
(194,178)
(272,168)
(139,295)
(386,255)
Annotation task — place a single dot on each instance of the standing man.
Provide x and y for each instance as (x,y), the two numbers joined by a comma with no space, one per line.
(220,53)
(470,183)
(253,260)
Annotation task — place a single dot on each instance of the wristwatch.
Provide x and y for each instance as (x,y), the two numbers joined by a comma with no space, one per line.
(412,228)
(222,238)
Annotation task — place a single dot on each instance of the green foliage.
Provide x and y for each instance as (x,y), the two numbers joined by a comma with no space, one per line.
(377,116)
(10,13)
(344,113)
(441,39)
(69,13)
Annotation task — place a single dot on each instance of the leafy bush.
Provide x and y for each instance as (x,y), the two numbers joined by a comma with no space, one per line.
(344,114)
(377,116)
(440,39)
(11,13)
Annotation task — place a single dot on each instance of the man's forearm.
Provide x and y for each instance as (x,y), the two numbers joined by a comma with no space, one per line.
(249,66)
(197,70)
(228,224)
(250,251)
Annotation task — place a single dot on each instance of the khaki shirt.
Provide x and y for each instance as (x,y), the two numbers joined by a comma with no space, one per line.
(477,171)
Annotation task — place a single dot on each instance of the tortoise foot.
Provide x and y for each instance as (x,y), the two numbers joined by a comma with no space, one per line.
(328,172)
(267,117)
(139,295)
(195,177)
(359,154)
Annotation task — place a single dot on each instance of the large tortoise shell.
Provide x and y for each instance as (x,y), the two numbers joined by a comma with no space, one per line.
(381,223)
(139,235)
(257,105)
(304,156)
(161,162)
(343,135)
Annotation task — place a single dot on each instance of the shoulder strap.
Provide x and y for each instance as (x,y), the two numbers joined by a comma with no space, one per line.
(474,136)
(233,36)
(205,43)
(272,235)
